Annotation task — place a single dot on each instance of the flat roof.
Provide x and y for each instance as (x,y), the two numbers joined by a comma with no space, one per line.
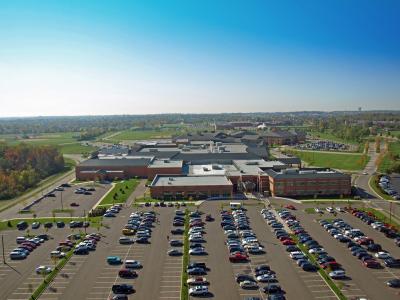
(307,173)
(165,163)
(254,166)
(120,162)
(211,169)
(165,180)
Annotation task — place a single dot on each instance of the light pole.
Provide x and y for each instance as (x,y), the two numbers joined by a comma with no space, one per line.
(2,246)
(62,207)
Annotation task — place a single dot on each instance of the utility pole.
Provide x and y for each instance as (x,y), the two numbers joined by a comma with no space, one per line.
(390,212)
(84,215)
(2,246)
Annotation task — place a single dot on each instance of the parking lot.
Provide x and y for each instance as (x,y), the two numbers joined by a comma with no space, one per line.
(48,205)
(362,282)
(91,277)
(17,277)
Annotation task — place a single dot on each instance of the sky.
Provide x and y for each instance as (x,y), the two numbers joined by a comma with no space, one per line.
(96,57)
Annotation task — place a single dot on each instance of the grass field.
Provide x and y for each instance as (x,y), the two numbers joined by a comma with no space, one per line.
(351,162)
(120,192)
(42,139)
(390,158)
(76,148)
(143,134)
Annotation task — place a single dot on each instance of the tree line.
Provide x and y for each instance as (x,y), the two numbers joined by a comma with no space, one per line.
(22,166)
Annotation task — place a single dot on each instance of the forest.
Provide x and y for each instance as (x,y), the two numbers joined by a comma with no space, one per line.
(22,166)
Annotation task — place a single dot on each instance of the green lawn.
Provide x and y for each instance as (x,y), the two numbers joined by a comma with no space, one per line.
(76,148)
(143,134)
(55,138)
(122,190)
(333,160)
(390,158)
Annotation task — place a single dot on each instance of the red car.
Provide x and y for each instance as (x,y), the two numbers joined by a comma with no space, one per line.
(290,206)
(195,224)
(127,273)
(66,243)
(209,218)
(372,263)
(288,242)
(299,231)
(333,265)
(365,241)
(236,257)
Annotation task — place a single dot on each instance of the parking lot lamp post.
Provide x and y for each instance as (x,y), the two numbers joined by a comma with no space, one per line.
(2,246)
(62,207)
(390,213)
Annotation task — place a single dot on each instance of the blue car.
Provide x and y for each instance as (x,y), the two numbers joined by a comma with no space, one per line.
(114,260)
(109,215)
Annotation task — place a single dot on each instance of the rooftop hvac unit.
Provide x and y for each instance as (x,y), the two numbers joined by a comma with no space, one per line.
(166,161)
(171,179)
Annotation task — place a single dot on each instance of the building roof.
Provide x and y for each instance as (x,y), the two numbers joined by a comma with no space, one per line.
(290,160)
(120,162)
(212,169)
(256,166)
(306,173)
(165,180)
(165,163)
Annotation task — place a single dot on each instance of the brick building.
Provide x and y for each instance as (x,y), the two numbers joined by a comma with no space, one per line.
(308,182)
(195,187)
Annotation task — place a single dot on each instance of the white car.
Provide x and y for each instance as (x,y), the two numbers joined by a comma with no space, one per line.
(296,255)
(377,225)
(132,264)
(383,255)
(316,250)
(329,209)
(338,274)
(57,254)
(339,209)
(199,290)
(266,278)
(197,281)
(317,210)
(43,270)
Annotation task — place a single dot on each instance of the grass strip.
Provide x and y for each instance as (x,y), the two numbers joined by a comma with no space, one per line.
(49,278)
(120,192)
(381,216)
(322,272)
(185,261)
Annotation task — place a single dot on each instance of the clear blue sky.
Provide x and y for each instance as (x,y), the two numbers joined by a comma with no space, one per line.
(65,57)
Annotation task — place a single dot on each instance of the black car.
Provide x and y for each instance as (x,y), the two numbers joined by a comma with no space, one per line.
(81,251)
(276,297)
(392,263)
(50,195)
(22,225)
(142,240)
(309,267)
(374,247)
(86,224)
(197,265)
(123,289)
(178,231)
(176,243)
(242,277)
(60,224)
(43,237)
(48,225)
(196,271)
(394,283)
(272,289)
